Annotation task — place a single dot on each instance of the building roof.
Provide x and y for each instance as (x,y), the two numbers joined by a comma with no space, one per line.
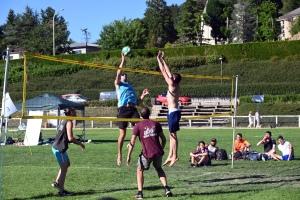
(83,44)
(17,51)
(289,15)
(48,102)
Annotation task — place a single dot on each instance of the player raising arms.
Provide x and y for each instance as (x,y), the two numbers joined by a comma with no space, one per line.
(174,113)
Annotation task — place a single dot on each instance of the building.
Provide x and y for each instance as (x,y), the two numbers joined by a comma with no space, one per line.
(16,54)
(84,47)
(286,22)
(206,31)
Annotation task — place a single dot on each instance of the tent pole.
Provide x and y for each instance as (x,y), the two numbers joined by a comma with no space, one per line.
(3,120)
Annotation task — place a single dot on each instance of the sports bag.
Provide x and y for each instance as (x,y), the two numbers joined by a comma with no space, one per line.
(253,155)
(221,155)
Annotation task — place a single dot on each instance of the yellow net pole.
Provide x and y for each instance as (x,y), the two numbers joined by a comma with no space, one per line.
(24,84)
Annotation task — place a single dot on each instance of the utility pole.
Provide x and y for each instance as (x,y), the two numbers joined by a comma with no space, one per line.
(87,35)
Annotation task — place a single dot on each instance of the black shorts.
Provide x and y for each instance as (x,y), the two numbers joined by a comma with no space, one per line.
(127,112)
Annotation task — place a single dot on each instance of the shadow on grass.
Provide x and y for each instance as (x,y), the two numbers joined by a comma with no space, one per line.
(257,181)
(106,141)
(88,192)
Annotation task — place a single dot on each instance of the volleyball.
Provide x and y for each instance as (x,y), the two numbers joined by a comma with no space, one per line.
(127,50)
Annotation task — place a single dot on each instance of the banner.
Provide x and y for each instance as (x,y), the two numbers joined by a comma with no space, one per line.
(10,107)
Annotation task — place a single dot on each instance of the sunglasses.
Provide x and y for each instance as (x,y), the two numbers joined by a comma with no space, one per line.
(124,75)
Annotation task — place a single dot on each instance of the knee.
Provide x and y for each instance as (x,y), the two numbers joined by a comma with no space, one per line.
(173,135)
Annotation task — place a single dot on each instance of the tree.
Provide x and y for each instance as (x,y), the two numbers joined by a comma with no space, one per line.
(29,31)
(243,22)
(123,33)
(226,15)
(190,19)
(159,23)
(11,30)
(214,11)
(295,27)
(175,12)
(267,28)
(2,42)
(289,5)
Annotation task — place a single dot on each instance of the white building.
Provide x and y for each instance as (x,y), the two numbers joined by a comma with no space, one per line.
(84,47)
(286,22)
(206,35)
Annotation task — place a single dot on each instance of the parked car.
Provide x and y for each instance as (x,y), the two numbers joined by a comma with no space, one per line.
(162,100)
(75,98)
(108,95)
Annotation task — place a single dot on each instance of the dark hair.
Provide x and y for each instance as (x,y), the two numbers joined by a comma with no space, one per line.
(123,74)
(145,113)
(240,135)
(68,110)
(269,133)
(201,142)
(280,137)
(177,77)
(214,140)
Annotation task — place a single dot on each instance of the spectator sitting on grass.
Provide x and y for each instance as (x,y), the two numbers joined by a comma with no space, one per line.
(241,146)
(201,156)
(269,146)
(212,148)
(286,148)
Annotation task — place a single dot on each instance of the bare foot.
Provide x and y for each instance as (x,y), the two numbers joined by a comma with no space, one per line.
(119,160)
(173,161)
(167,161)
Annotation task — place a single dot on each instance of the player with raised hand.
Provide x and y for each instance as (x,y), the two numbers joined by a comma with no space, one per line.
(174,114)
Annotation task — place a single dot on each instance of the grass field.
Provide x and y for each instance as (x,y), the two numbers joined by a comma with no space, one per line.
(94,173)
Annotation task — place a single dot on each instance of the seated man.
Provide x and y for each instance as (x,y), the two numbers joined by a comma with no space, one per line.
(212,148)
(240,146)
(269,146)
(200,155)
(286,148)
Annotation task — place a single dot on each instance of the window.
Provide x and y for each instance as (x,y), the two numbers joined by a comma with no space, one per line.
(77,52)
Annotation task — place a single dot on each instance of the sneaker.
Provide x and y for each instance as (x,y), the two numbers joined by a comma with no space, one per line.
(138,196)
(169,193)
(65,193)
(192,165)
(55,185)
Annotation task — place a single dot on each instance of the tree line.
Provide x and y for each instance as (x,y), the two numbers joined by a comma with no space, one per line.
(231,21)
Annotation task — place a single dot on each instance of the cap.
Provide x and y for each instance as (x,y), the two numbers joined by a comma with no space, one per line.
(214,140)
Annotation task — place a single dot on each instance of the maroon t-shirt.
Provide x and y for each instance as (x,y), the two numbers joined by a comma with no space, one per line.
(148,132)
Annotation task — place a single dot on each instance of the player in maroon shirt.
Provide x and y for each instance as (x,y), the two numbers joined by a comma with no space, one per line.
(148,132)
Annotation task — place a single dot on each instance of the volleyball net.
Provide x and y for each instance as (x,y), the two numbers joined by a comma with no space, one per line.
(55,112)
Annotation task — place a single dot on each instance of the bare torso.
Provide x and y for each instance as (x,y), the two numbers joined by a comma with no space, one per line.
(173,95)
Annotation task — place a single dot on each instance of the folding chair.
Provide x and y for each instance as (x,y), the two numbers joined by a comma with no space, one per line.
(80,137)
(21,130)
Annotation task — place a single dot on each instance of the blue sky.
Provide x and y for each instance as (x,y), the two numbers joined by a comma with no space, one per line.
(90,14)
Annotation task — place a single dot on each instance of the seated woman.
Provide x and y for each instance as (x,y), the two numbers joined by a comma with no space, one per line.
(201,156)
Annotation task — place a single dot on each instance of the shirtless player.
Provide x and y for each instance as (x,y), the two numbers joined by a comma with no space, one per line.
(174,113)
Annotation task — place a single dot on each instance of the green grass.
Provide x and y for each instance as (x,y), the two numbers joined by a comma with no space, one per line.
(94,174)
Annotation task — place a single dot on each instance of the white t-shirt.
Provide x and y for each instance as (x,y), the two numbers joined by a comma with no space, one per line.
(257,116)
(211,150)
(285,148)
(251,119)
